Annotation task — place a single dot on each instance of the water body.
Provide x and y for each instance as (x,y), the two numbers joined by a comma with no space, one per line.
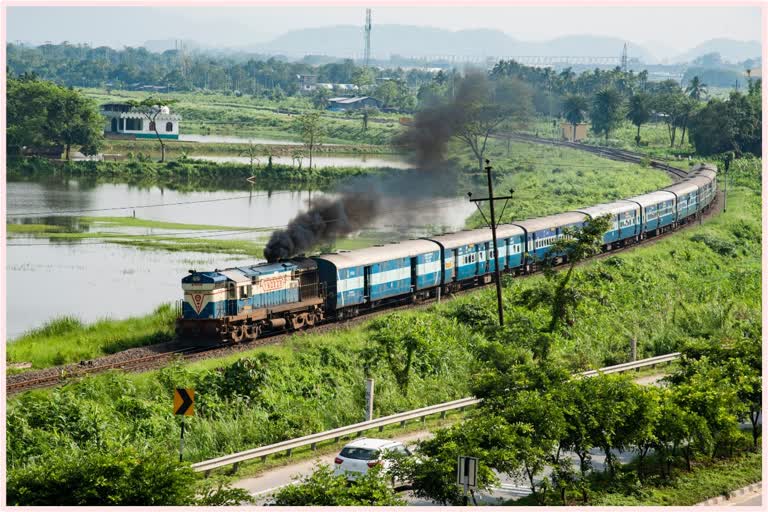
(367,161)
(231,139)
(93,281)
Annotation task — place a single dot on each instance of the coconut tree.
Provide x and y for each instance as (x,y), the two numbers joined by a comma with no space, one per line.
(696,89)
(639,111)
(574,110)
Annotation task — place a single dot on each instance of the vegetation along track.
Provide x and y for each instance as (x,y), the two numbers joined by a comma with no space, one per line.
(610,153)
(156,356)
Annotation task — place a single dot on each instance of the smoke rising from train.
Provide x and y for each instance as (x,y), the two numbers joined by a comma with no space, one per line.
(364,199)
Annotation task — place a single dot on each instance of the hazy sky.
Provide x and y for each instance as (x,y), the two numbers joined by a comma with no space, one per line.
(674,28)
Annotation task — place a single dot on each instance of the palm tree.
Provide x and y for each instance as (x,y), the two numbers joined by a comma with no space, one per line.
(574,110)
(696,88)
(639,111)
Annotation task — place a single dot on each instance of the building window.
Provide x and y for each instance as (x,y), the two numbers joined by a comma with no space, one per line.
(134,124)
(151,126)
(169,127)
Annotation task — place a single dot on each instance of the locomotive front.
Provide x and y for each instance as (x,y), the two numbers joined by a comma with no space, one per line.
(240,303)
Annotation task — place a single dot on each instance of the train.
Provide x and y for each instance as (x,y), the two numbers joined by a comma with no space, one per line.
(245,303)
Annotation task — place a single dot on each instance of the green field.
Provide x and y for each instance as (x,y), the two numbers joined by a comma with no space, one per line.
(218,114)
(549,180)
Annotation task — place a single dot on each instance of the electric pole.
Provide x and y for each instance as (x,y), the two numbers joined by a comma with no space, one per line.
(728,158)
(492,223)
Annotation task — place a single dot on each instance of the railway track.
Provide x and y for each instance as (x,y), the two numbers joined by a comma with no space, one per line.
(49,377)
(610,153)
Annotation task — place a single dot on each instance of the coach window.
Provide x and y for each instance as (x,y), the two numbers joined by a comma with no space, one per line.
(151,126)
(243,292)
(169,127)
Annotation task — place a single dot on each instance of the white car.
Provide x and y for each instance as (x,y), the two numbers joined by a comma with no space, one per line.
(359,456)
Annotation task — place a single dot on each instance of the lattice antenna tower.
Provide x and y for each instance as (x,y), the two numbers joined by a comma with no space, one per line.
(367,56)
(624,59)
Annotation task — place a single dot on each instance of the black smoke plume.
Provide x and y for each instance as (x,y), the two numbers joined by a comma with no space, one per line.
(363,200)
(325,221)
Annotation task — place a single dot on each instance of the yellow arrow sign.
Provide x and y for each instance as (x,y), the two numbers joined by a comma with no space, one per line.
(184,401)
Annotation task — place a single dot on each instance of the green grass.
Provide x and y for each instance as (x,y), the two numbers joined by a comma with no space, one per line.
(34,228)
(248,117)
(67,340)
(549,180)
(705,481)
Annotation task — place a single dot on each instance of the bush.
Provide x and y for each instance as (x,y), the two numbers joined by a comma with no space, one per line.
(324,489)
(115,476)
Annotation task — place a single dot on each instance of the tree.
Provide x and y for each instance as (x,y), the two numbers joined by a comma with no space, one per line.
(574,110)
(476,115)
(113,475)
(320,98)
(639,111)
(311,130)
(606,113)
(432,470)
(696,89)
(367,112)
(574,246)
(41,114)
(322,488)
(731,125)
(151,108)
(362,78)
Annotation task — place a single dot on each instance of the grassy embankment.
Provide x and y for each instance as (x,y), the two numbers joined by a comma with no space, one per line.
(654,141)
(705,481)
(549,180)
(259,118)
(661,294)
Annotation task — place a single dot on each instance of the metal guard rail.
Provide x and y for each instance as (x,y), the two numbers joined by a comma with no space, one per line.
(337,433)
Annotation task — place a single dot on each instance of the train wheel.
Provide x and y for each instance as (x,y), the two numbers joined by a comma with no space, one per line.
(251,332)
(238,333)
(298,321)
(310,319)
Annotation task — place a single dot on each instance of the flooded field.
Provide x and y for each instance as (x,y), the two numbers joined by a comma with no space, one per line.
(93,279)
(371,161)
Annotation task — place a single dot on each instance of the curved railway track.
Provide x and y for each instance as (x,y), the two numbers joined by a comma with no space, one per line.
(142,361)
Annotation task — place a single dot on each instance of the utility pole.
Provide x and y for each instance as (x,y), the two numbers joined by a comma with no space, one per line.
(367,56)
(728,158)
(492,223)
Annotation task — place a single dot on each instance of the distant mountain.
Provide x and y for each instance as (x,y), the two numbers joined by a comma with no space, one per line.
(415,41)
(729,49)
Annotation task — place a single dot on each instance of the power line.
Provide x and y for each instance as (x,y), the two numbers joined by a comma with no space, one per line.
(438,205)
(134,207)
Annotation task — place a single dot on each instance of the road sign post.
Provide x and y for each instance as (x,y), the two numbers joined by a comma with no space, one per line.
(183,405)
(368,399)
(466,475)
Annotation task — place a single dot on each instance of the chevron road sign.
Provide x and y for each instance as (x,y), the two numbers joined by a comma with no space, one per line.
(184,402)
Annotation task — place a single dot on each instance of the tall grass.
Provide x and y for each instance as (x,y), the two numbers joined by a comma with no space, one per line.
(67,340)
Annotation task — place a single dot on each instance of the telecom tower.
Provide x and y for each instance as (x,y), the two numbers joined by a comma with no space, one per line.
(367,56)
(624,58)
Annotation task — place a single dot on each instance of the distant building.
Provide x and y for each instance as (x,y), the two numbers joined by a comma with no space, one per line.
(567,132)
(124,120)
(354,103)
(307,83)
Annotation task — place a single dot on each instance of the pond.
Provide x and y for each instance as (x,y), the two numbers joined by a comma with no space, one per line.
(367,161)
(92,279)
(231,139)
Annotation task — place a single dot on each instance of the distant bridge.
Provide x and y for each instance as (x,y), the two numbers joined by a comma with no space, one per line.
(529,60)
